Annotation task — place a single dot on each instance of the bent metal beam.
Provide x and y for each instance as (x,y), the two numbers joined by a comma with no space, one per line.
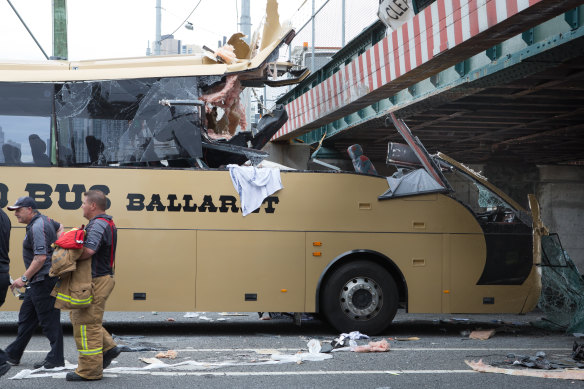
(440,36)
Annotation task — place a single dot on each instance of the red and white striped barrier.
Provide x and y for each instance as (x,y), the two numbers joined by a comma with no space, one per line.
(409,54)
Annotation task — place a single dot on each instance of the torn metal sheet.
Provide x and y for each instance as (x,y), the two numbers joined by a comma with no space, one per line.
(414,182)
(416,146)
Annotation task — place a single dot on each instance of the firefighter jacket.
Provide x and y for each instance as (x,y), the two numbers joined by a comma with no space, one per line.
(74,290)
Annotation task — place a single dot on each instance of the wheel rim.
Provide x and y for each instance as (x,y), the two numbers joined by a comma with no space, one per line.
(361,298)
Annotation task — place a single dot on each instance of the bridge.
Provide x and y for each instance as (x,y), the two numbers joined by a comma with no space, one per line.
(472,78)
(493,83)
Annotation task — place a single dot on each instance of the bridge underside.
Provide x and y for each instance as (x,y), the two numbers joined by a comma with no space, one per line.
(538,117)
(523,97)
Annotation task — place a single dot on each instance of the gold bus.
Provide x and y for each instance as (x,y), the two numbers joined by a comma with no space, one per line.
(337,243)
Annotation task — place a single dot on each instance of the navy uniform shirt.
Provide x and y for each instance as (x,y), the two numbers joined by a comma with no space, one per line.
(41,232)
(100,238)
(4,241)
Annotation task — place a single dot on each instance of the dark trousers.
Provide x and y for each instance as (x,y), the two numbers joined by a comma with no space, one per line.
(4,284)
(37,308)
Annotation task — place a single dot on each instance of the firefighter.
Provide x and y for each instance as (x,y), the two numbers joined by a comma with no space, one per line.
(96,347)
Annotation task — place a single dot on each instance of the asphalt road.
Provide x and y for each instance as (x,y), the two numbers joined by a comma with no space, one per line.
(222,350)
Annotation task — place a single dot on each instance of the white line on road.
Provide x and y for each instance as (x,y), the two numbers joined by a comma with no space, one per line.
(263,350)
(297,373)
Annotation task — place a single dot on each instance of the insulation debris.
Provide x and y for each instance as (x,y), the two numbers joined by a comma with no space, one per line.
(381,346)
(227,54)
(170,354)
(482,335)
(225,96)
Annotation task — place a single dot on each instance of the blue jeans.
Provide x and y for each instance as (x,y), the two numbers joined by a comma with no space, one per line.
(37,308)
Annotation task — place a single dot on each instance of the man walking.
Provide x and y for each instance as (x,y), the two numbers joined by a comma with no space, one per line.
(5,226)
(96,347)
(38,306)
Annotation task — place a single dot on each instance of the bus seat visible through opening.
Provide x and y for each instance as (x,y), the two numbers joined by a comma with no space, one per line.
(38,148)
(361,163)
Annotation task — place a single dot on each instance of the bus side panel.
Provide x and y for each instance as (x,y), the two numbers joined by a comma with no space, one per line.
(161,264)
(467,261)
(264,267)
(417,255)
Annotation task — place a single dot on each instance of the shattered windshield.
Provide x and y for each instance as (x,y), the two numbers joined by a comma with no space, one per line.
(483,202)
(488,199)
(123,122)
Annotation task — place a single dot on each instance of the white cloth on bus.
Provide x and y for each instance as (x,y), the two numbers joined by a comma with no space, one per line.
(253,185)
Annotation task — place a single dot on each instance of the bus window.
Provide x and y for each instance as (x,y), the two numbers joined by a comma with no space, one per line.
(110,123)
(25,124)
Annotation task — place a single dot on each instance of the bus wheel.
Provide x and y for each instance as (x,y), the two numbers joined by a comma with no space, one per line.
(360,296)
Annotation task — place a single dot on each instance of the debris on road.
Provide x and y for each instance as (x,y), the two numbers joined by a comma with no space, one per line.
(314,346)
(482,334)
(381,346)
(135,344)
(578,351)
(409,339)
(170,354)
(482,367)
(539,361)
(150,361)
(354,335)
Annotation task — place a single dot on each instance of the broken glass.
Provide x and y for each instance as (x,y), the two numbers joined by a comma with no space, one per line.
(487,199)
(562,294)
(123,122)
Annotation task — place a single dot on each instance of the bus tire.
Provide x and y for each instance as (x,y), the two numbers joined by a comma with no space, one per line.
(360,296)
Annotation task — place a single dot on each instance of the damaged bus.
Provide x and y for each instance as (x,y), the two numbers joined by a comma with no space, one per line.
(156,134)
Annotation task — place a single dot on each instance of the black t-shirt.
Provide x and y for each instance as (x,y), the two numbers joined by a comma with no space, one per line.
(41,233)
(100,238)
(5,226)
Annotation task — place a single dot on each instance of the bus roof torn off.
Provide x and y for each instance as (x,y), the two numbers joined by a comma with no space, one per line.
(176,110)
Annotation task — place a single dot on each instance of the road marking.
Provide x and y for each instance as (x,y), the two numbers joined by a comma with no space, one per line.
(293,373)
(294,350)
